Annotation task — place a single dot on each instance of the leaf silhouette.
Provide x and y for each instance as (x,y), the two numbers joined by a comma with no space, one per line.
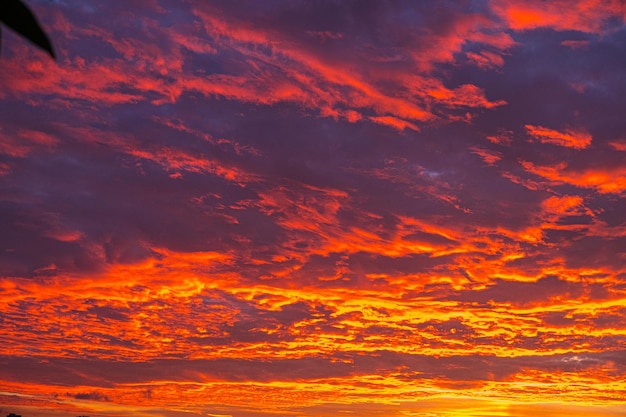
(17,16)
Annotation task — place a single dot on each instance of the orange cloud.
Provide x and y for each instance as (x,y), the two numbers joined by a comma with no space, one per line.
(442,47)
(570,139)
(465,95)
(605,180)
(394,122)
(503,137)
(618,145)
(175,160)
(25,141)
(560,206)
(321,83)
(490,157)
(485,59)
(563,15)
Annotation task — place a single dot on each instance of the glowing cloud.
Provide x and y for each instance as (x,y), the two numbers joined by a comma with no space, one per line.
(569,139)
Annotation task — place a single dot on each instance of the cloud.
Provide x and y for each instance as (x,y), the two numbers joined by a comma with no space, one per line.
(581,15)
(605,180)
(570,139)
(394,122)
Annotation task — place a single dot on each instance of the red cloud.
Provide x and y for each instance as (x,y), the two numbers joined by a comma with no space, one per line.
(394,122)
(608,180)
(577,139)
(619,145)
(560,206)
(490,157)
(563,15)
(175,160)
(486,59)
(570,139)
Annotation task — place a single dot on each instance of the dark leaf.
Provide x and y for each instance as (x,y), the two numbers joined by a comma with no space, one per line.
(18,17)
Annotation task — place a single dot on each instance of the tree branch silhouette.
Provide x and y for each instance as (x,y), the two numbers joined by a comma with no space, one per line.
(18,17)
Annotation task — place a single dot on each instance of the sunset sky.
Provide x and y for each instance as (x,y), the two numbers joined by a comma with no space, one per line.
(315,209)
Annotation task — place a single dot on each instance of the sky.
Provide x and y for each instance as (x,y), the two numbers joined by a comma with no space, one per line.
(314,209)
